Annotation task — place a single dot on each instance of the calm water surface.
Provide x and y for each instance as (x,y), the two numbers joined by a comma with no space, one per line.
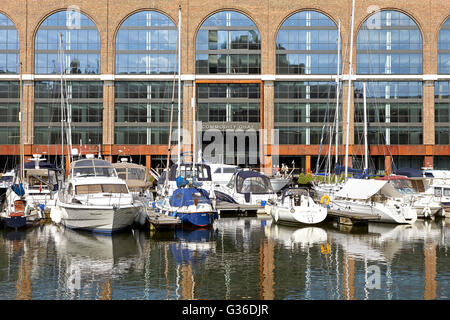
(240,258)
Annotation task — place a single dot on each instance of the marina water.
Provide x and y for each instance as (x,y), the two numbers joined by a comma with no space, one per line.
(239,258)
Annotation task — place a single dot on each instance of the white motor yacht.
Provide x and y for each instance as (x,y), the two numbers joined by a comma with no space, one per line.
(95,198)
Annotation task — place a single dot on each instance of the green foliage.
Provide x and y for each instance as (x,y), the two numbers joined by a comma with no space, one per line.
(305,179)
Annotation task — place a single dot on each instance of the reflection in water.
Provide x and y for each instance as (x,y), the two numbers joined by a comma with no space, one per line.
(239,258)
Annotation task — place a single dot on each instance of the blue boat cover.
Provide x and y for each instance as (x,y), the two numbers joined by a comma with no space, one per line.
(185,197)
(409,172)
(18,189)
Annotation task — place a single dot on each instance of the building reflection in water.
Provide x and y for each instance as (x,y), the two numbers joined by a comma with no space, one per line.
(240,258)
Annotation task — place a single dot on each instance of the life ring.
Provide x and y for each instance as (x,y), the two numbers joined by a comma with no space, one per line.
(325,198)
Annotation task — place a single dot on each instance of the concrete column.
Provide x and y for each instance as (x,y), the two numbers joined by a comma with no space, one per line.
(268,151)
(108,116)
(28,113)
(428,121)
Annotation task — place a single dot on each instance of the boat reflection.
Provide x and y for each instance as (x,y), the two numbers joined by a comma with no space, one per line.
(290,236)
(91,261)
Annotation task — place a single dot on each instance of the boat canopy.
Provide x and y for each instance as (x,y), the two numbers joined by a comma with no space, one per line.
(203,172)
(249,181)
(363,189)
(409,172)
(186,197)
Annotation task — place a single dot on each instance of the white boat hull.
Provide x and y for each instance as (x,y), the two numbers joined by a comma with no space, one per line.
(104,219)
(403,214)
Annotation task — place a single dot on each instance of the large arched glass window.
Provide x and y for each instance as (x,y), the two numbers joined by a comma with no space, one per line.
(444,48)
(389,42)
(228,42)
(9,46)
(146,43)
(81,44)
(307,44)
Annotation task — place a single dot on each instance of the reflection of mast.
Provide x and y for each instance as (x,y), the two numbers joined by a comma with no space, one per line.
(166,271)
(349,277)
(266,267)
(106,292)
(430,271)
(23,285)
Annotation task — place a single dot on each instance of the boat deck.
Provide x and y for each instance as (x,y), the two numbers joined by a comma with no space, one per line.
(159,221)
(223,206)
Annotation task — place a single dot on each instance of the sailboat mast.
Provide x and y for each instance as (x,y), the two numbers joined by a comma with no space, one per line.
(22,151)
(337,95)
(62,100)
(179,90)
(366,159)
(349,90)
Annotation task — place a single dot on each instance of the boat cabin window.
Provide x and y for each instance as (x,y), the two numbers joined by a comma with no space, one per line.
(446,192)
(122,173)
(418,185)
(403,186)
(438,192)
(254,185)
(229,170)
(101,188)
(136,174)
(218,170)
(6,178)
(97,171)
(38,178)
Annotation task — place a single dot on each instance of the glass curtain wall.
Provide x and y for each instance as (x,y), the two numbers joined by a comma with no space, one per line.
(142,112)
(228,42)
(9,90)
(442,112)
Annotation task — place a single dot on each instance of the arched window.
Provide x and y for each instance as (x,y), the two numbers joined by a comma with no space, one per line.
(146,43)
(444,48)
(9,46)
(228,42)
(81,44)
(307,44)
(389,42)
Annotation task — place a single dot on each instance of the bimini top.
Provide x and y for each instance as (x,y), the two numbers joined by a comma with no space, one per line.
(186,197)
(92,167)
(363,189)
(249,181)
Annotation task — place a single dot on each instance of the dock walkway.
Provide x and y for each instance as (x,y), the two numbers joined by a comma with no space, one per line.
(159,221)
(223,206)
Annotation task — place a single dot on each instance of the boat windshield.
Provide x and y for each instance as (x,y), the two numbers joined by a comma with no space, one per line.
(136,174)
(403,186)
(446,192)
(6,178)
(100,188)
(95,167)
(257,185)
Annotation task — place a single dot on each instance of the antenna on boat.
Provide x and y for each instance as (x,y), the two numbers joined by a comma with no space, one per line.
(350,71)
